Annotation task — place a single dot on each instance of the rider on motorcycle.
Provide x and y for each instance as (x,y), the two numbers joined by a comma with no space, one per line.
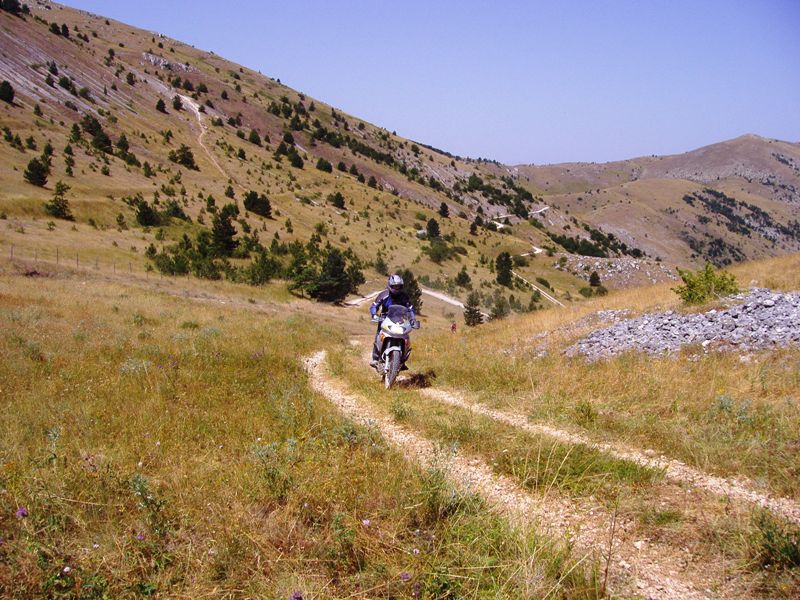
(392,295)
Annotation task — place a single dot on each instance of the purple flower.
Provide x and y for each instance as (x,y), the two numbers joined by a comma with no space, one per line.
(405,576)
(415,551)
(22,512)
(296,596)
(140,536)
(365,522)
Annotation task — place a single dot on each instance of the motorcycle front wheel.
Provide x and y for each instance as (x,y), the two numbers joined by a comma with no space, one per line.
(394,369)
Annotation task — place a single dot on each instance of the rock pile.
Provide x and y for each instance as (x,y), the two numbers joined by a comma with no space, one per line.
(618,272)
(760,319)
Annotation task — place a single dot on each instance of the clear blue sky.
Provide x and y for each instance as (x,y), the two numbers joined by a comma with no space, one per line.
(517,81)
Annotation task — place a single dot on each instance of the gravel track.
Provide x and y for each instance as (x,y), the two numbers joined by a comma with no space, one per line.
(647,569)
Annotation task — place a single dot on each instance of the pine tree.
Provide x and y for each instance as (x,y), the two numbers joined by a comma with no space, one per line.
(503,266)
(36,173)
(463,279)
(254,138)
(444,210)
(333,283)
(177,104)
(58,206)
(412,289)
(161,106)
(472,311)
(501,307)
(6,92)
(223,233)
(433,229)
(594,279)
(380,265)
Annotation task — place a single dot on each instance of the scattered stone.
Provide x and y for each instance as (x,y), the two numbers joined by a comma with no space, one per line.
(758,320)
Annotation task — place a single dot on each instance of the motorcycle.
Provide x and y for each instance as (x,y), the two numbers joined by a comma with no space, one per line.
(393,342)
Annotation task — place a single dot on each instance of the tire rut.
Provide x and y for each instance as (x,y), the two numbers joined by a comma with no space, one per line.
(649,570)
(735,489)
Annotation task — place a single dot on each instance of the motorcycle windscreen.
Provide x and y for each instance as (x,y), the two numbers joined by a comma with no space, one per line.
(398,314)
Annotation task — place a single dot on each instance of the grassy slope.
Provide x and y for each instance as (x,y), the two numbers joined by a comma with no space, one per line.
(143,470)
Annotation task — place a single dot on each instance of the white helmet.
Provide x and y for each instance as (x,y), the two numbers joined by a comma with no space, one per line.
(395,283)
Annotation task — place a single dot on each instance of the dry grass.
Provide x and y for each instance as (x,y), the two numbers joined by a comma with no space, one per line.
(162,446)
(720,412)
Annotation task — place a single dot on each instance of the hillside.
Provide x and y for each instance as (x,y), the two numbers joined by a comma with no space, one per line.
(187,411)
(246,132)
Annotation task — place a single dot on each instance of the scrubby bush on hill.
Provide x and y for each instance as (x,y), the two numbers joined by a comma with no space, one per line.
(36,172)
(58,205)
(258,203)
(184,156)
(706,284)
(6,92)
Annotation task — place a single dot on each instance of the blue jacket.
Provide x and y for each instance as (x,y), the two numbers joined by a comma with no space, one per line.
(385,299)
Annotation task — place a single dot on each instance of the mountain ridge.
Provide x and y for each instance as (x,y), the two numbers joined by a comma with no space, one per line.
(118,73)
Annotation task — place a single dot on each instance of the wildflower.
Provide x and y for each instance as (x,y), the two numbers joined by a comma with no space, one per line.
(415,551)
(140,536)
(296,596)
(405,576)
(365,522)
(22,512)
(212,552)
(66,570)
(95,545)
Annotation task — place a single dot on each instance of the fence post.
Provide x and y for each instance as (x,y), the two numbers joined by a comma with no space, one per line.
(77,266)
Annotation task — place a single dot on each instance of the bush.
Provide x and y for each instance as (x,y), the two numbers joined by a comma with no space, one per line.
(704,285)
(184,156)
(258,203)
(254,138)
(6,92)
(58,206)
(36,172)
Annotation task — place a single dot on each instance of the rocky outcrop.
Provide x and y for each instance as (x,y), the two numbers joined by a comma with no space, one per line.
(758,320)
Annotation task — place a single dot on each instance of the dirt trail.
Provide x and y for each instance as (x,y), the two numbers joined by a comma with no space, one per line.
(741,491)
(187,101)
(647,569)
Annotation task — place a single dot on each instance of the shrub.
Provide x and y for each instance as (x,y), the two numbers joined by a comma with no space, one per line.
(503,265)
(258,203)
(337,199)
(254,138)
(58,206)
(472,311)
(704,285)
(6,92)
(184,156)
(36,172)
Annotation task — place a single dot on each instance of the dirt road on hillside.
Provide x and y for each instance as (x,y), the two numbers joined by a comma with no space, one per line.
(647,569)
(737,490)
